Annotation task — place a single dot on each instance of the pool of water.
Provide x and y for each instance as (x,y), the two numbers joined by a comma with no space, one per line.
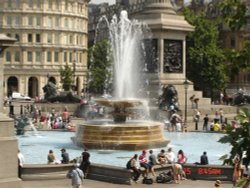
(35,147)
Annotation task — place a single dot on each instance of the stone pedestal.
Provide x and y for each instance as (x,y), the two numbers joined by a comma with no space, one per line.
(8,141)
(8,157)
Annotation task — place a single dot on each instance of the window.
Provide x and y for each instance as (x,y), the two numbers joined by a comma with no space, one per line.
(232,42)
(38,38)
(49,38)
(48,56)
(49,21)
(70,57)
(50,4)
(9,3)
(38,21)
(66,6)
(38,56)
(8,34)
(29,37)
(56,57)
(17,56)
(17,20)
(17,37)
(38,4)
(9,20)
(30,3)
(70,39)
(8,56)
(30,20)
(66,23)
(57,5)
(57,39)
(29,57)
(57,21)
(17,3)
(65,57)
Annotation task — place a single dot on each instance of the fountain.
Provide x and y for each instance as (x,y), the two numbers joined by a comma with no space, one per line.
(120,133)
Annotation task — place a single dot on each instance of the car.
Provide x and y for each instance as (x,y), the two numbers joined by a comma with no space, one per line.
(19,96)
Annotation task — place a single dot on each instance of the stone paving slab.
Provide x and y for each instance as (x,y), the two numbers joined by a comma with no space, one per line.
(66,183)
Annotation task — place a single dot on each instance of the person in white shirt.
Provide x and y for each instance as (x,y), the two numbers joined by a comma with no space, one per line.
(20,158)
(171,155)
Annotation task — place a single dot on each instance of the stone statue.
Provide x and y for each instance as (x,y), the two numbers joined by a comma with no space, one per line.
(50,91)
(51,95)
(241,99)
(169,98)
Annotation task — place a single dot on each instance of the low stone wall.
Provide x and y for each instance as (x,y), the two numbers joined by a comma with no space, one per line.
(121,175)
(98,172)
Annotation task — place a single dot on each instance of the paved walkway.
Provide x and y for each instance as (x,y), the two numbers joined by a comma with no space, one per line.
(66,183)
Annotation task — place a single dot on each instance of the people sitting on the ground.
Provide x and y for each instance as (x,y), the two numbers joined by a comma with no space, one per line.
(182,159)
(65,156)
(144,163)
(204,159)
(162,158)
(170,155)
(85,163)
(131,164)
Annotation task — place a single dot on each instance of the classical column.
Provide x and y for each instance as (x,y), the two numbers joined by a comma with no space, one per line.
(8,142)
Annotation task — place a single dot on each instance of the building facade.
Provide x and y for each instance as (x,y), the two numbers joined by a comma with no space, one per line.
(49,34)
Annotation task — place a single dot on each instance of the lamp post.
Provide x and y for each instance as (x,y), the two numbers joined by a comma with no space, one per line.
(186,84)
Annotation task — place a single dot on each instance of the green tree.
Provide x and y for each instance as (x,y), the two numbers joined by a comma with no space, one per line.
(67,75)
(99,62)
(234,15)
(205,58)
(239,139)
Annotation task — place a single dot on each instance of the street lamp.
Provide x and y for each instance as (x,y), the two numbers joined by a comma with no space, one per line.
(186,84)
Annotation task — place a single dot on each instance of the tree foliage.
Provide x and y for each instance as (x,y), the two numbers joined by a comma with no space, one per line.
(67,77)
(234,13)
(239,139)
(205,58)
(99,64)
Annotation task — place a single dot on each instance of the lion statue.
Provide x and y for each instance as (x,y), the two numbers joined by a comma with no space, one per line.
(51,95)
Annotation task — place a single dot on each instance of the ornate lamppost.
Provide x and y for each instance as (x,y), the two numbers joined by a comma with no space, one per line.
(186,84)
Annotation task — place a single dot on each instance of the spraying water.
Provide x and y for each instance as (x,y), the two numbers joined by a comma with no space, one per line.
(126,43)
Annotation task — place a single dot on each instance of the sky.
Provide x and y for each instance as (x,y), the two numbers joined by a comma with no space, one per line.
(102,1)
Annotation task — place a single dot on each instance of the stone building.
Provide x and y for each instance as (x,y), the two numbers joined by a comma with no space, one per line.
(49,33)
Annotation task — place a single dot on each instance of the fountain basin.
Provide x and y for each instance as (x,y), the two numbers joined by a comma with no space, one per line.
(132,135)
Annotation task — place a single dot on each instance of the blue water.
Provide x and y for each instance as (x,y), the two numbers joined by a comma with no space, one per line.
(35,147)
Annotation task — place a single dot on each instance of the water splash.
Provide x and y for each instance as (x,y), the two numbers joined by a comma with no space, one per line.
(126,38)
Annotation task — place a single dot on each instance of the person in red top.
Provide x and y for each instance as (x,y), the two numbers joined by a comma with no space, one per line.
(181,157)
(144,163)
(65,117)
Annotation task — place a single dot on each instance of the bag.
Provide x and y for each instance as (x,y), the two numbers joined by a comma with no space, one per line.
(164,177)
(69,174)
(147,180)
(128,165)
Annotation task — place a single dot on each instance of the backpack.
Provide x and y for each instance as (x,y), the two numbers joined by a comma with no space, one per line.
(128,165)
(164,177)
(147,180)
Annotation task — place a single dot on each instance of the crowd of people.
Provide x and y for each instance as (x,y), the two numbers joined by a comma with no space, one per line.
(146,164)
